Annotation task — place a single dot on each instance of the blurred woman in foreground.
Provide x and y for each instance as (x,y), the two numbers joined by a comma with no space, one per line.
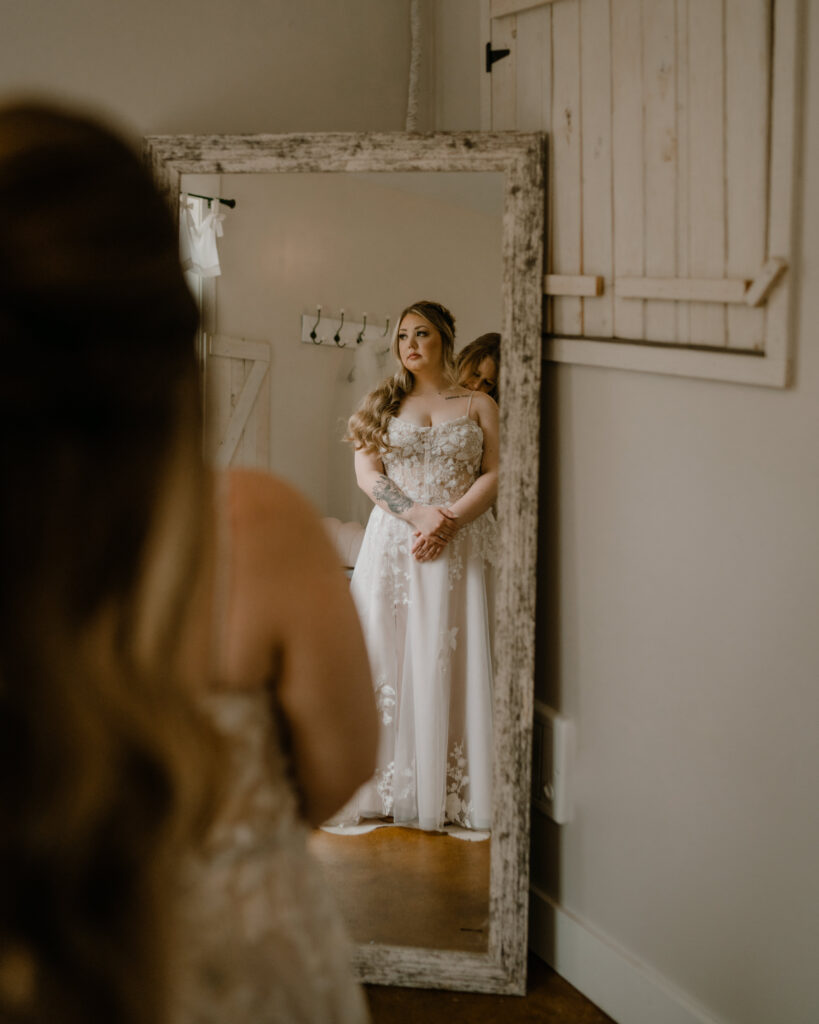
(168,718)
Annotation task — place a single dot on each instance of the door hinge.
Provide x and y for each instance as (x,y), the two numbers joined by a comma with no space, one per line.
(493,55)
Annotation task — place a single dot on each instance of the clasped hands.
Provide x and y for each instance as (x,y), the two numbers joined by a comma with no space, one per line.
(435,528)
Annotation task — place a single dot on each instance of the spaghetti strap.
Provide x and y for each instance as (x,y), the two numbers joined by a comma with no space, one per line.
(469,403)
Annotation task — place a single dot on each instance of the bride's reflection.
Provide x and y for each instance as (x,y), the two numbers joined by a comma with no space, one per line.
(289,243)
(426,454)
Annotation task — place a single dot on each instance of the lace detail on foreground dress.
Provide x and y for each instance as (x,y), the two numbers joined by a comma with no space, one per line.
(259,938)
(428,631)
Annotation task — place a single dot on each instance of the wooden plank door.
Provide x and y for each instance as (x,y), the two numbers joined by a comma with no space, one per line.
(671,129)
(237,427)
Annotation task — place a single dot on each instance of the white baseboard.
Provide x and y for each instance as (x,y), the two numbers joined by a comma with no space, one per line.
(623,987)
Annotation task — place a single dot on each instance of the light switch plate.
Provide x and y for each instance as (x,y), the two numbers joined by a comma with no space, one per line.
(553,749)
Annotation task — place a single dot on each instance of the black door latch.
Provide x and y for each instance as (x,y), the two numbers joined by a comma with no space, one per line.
(493,55)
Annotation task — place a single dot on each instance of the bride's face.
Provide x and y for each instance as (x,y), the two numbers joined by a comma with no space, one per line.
(419,344)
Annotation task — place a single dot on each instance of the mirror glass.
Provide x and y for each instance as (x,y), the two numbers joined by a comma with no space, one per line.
(362,246)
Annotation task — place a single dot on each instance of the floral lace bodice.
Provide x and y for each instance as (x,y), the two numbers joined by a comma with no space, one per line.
(434,465)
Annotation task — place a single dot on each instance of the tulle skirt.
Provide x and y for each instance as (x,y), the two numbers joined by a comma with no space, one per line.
(428,629)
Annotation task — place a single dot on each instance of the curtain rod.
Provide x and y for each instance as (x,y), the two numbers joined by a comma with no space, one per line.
(213,199)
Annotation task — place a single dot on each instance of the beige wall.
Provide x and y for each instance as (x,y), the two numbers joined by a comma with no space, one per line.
(215,65)
(296,241)
(457,61)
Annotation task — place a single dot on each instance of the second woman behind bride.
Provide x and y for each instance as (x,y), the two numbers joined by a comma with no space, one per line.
(427,456)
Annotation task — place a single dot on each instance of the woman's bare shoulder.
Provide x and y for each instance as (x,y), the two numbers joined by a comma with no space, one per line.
(276,548)
(254,495)
(484,407)
(271,522)
(483,401)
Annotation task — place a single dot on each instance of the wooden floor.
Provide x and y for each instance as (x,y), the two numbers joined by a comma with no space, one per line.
(411,888)
(405,887)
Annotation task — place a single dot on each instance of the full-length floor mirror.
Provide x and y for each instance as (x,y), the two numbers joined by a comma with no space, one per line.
(366,224)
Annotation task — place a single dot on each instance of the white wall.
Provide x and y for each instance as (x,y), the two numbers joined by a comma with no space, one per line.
(213,65)
(457,62)
(678,628)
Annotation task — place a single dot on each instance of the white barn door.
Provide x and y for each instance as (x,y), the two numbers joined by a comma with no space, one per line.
(237,421)
(672,128)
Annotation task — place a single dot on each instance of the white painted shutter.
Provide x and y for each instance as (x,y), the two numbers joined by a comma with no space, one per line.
(671,169)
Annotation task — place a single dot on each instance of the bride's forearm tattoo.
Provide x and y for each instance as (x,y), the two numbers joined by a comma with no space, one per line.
(394,498)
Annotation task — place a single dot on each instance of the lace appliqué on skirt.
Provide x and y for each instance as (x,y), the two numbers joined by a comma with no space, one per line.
(428,633)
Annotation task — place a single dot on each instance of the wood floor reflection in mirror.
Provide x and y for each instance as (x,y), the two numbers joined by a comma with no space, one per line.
(441,903)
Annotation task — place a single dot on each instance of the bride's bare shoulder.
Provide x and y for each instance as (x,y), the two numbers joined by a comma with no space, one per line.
(483,401)
(484,409)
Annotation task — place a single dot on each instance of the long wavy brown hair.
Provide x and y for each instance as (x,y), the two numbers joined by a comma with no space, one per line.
(103,761)
(367,427)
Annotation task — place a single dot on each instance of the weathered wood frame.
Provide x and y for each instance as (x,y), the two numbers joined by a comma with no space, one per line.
(520,158)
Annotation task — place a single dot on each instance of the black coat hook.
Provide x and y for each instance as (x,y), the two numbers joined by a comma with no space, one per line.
(314,337)
(337,335)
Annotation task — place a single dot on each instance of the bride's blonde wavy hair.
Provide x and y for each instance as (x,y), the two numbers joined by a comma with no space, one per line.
(367,427)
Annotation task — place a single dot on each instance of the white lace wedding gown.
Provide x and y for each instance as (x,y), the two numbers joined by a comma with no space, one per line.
(259,938)
(428,631)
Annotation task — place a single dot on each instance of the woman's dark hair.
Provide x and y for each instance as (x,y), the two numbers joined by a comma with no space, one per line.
(472,355)
(99,427)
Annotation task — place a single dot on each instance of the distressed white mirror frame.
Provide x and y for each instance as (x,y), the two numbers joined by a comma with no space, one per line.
(519,158)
